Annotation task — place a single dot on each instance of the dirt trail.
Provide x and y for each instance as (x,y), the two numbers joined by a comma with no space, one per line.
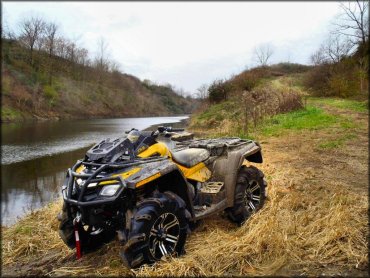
(313,183)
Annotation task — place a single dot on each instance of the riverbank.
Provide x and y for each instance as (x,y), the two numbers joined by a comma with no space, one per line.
(13,115)
(314,222)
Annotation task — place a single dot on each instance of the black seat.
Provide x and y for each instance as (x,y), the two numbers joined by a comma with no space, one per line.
(190,157)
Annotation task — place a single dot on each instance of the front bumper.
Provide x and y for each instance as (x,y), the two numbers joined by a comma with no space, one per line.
(72,175)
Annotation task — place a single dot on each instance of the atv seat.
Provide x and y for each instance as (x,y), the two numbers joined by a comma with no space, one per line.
(190,157)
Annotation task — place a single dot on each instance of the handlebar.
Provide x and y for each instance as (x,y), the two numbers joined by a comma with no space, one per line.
(169,129)
(161,129)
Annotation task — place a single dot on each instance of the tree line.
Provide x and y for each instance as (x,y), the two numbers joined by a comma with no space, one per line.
(48,51)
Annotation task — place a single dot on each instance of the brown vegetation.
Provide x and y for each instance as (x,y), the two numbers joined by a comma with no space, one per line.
(342,61)
(245,110)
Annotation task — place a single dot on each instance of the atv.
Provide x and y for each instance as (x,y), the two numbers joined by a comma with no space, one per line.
(148,190)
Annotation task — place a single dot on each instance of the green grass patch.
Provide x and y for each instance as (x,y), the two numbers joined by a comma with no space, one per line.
(217,111)
(10,114)
(309,118)
(346,104)
(6,84)
(24,230)
(51,94)
(333,144)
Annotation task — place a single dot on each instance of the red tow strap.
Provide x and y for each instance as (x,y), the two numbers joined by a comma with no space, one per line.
(78,245)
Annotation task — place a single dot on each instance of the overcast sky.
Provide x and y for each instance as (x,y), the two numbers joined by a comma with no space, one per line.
(187,44)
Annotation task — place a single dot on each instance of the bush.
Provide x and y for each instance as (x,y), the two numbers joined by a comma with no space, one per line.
(246,81)
(340,80)
(6,85)
(219,91)
(50,93)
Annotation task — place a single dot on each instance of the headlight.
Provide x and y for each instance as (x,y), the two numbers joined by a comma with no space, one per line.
(81,182)
(109,190)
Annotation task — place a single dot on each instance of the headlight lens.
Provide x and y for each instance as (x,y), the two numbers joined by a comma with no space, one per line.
(109,190)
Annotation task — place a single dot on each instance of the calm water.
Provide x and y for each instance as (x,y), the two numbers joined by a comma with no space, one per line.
(35,156)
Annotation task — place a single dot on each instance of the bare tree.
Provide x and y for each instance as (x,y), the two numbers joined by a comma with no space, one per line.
(202,91)
(354,21)
(101,62)
(71,51)
(31,32)
(82,56)
(101,59)
(319,57)
(60,47)
(50,37)
(337,47)
(332,50)
(262,53)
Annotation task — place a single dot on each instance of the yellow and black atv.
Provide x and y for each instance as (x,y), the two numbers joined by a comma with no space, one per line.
(147,189)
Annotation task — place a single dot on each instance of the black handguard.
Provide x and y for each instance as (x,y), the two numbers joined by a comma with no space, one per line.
(169,129)
(177,129)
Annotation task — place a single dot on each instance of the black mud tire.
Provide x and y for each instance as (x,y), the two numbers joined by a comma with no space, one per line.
(165,214)
(249,196)
(88,242)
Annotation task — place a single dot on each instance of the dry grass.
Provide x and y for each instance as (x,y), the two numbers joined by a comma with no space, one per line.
(313,223)
(294,229)
(33,235)
(300,226)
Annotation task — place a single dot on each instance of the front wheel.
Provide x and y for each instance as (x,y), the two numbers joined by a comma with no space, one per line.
(158,229)
(249,196)
(90,240)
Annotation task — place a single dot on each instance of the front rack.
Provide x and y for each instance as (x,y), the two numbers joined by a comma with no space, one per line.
(92,178)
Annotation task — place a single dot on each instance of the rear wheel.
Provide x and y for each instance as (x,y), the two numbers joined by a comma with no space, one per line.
(158,228)
(250,194)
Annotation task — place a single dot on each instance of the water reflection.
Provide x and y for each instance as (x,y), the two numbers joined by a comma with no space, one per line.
(31,184)
(31,178)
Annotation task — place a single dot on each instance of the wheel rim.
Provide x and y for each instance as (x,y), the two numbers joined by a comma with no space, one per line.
(164,235)
(252,196)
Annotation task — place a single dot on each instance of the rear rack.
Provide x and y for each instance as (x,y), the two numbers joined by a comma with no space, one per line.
(215,146)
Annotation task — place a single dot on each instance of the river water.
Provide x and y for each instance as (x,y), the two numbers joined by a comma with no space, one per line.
(35,156)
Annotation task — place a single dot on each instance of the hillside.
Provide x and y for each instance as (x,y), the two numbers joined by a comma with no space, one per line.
(57,87)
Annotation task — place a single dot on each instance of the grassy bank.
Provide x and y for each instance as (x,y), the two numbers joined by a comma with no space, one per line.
(228,120)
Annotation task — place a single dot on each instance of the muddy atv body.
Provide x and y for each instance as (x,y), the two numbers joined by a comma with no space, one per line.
(150,191)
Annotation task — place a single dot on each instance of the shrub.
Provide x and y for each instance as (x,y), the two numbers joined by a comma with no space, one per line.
(50,92)
(341,79)
(219,91)
(246,81)
(6,84)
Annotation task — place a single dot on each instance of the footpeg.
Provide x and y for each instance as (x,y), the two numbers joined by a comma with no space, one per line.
(212,187)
